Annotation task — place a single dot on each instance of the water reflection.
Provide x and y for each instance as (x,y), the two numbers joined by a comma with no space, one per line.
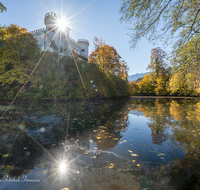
(138,143)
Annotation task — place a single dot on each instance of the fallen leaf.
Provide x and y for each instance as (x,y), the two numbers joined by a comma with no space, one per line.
(116,139)
(93,157)
(161,154)
(86,153)
(133,160)
(138,164)
(134,155)
(162,158)
(98,137)
(95,148)
(5,155)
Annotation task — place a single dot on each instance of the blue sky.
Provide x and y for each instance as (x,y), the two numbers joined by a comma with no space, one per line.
(88,18)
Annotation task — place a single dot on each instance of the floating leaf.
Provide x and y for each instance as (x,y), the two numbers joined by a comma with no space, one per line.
(133,160)
(53,145)
(93,157)
(138,164)
(86,153)
(161,154)
(143,144)
(5,155)
(162,158)
(134,155)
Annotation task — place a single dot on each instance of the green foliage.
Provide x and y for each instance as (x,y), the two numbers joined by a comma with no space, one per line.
(162,19)
(66,82)
(18,54)
(186,71)
(2,7)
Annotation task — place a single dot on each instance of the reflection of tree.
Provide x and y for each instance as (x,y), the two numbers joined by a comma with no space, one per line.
(177,111)
(159,116)
(83,119)
(109,135)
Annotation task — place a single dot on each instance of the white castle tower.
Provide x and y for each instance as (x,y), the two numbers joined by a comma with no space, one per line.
(52,39)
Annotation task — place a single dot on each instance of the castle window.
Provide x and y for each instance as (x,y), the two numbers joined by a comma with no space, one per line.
(82,50)
(51,29)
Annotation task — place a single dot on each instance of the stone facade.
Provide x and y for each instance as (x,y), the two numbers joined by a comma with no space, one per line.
(52,39)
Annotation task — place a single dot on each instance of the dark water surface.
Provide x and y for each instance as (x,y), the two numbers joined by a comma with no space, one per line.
(107,144)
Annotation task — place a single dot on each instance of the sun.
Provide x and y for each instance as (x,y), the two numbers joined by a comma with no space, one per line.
(62,167)
(61,24)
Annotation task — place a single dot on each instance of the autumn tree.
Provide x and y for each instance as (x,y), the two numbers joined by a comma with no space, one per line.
(146,85)
(186,70)
(157,64)
(2,7)
(107,58)
(162,19)
(18,55)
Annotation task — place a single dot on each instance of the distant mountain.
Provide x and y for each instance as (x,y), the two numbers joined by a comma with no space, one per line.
(136,76)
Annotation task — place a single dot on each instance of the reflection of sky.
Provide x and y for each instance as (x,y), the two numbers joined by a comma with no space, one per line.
(139,141)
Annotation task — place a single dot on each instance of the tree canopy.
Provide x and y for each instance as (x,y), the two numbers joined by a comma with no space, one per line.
(107,58)
(157,64)
(162,19)
(2,7)
(18,54)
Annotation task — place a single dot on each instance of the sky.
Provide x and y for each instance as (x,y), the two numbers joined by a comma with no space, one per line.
(87,19)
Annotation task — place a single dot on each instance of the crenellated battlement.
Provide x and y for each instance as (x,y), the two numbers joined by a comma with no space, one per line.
(52,14)
(83,41)
(38,31)
(50,37)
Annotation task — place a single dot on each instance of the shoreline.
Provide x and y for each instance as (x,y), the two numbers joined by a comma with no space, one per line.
(183,97)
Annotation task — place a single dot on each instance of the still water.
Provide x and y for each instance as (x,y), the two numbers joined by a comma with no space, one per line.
(122,144)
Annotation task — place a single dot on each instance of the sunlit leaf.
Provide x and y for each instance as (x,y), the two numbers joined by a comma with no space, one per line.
(134,155)
(5,155)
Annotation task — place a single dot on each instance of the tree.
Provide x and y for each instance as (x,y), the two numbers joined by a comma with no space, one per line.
(2,7)
(157,64)
(185,61)
(18,54)
(158,19)
(146,85)
(107,58)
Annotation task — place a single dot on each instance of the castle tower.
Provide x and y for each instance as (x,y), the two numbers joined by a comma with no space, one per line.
(84,46)
(55,38)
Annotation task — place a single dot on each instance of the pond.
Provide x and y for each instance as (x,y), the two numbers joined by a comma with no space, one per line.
(105,144)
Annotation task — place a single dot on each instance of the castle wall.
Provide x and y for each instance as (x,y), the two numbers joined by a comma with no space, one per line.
(50,38)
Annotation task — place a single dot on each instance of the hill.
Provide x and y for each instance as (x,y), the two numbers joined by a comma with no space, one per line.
(136,76)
